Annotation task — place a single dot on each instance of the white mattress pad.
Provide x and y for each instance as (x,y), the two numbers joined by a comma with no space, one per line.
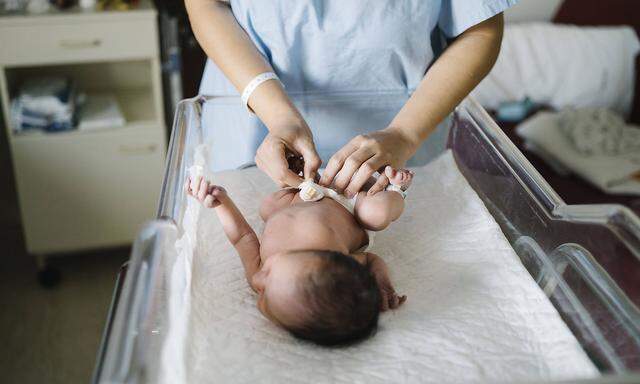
(473,312)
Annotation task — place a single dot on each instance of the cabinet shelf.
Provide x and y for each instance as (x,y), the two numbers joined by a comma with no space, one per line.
(136,106)
(82,189)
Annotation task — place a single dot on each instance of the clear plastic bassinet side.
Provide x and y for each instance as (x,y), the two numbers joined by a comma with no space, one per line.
(585,258)
(138,323)
(582,257)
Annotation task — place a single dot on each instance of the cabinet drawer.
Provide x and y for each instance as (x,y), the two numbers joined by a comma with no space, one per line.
(87,190)
(77,42)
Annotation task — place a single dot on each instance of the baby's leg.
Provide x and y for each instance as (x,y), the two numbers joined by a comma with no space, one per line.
(375,212)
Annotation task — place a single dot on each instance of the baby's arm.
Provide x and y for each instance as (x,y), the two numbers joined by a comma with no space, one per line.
(238,231)
(389,298)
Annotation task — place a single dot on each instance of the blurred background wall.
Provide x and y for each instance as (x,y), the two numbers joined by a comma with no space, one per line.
(532,10)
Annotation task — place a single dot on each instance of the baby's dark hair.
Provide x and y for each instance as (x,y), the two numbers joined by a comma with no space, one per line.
(343,301)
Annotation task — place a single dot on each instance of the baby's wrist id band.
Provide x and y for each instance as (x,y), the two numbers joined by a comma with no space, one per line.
(255,83)
(195,172)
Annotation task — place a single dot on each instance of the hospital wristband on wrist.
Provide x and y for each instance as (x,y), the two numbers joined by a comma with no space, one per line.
(255,83)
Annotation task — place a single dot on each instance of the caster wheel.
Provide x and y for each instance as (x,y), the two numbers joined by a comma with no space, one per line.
(49,277)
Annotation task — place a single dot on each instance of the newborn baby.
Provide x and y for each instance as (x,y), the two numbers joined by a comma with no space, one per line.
(310,268)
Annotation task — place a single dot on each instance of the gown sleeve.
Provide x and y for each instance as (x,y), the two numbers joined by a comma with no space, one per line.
(456,16)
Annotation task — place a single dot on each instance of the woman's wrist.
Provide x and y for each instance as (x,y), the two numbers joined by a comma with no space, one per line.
(274,108)
(411,139)
(285,121)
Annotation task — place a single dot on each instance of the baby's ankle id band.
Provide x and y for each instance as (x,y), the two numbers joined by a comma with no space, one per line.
(396,188)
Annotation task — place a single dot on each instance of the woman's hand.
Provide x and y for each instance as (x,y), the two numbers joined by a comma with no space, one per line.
(352,166)
(229,46)
(280,153)
(453,75)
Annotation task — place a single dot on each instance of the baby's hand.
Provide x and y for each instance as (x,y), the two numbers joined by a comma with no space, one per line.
(389,299)
(208,194)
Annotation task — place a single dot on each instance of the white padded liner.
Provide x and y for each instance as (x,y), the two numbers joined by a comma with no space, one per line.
(473,312)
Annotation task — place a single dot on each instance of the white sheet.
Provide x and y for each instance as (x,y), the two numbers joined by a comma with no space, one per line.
(563,65)
(611,173)
(473,312)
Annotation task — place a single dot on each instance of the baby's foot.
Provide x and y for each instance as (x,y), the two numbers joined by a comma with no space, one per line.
(400,177)
(205,192)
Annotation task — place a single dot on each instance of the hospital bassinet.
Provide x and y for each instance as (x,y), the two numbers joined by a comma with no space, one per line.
(586,258)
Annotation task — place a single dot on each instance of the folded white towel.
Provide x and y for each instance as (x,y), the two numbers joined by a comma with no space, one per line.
(593,144)
(562,66)
(599,131)
(52,96)
(100,111)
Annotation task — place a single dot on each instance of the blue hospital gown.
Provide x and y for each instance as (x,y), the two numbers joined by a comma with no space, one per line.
(348,65)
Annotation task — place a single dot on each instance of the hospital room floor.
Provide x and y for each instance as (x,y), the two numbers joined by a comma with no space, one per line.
(49,335)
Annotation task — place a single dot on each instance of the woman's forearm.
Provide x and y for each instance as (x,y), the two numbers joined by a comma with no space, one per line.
(450,79)
(227,44)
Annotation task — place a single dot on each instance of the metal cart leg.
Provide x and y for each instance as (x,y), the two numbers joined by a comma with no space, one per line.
(48,276)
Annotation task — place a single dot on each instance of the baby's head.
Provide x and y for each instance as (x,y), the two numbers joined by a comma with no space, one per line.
(325,297)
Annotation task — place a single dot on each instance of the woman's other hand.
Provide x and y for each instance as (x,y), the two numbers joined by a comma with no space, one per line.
(352,166)
(278,154)
(453,75)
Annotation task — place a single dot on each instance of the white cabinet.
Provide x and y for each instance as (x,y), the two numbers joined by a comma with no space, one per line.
(85,189)
(77,41)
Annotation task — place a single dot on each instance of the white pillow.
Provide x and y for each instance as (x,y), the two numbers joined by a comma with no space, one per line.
(563,66)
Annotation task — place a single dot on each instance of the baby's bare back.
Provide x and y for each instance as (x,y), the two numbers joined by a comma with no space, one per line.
(294,225)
